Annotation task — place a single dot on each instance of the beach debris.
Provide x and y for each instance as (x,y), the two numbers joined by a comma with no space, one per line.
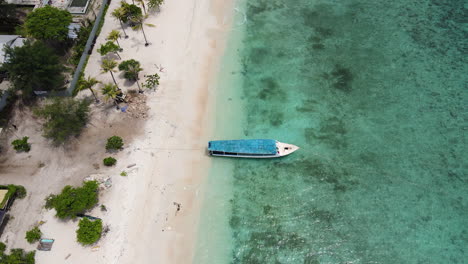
(131,165)
(67,256)
(95,248)
(105,182)
(178,207)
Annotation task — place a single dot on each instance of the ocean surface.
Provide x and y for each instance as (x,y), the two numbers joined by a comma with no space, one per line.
(376,95)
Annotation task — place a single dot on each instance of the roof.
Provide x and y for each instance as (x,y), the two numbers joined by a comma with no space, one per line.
(246,146)
(11,41)
(3,193)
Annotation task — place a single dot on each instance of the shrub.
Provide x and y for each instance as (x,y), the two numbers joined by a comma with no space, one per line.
(72,201)
(21,144)
(114,142)
(65,117)
(89,231)
(109,161)
(123,173)
(16,256)
(19,190)
(33,235)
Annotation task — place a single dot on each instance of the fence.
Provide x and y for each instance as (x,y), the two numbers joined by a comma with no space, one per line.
(88,47)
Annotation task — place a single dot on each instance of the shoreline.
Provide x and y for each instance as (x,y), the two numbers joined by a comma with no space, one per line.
(167,147)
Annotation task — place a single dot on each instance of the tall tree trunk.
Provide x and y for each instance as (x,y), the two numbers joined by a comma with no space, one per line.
(123,29)
(95,97)
(143,5)
(138,84)
(114,79)
(118,55)
(144,35)
(118,44)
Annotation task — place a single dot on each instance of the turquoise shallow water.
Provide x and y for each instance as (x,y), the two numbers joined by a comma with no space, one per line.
(375,94)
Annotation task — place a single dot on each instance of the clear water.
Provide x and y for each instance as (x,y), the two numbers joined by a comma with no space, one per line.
(375,94)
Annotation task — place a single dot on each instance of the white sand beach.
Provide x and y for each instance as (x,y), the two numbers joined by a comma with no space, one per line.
(165,156)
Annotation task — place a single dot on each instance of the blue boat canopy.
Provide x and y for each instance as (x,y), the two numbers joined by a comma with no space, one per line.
(246,146)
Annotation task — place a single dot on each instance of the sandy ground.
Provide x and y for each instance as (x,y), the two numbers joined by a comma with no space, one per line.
(165,147)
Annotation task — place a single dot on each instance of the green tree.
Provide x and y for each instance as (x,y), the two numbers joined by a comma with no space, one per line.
(48,23)
(88,83)
(16,256)
(131,70)
(64,118)
(155,4)
(111,92)
(119,14)
(21,144)
(142,3)
(109,161)
(114,143)
(33,235)
(108,65)
(138,21)
(8,17)
(32,67)
(72,201)
(151,81)
(114,35)
(89,231)
(129,10)
(108,47)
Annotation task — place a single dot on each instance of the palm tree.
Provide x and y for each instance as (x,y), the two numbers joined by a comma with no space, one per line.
(119,14)
(142,3)
(114,35)
(138,21)
(131,70)
(109,46)
(155,4)
(88,83)
(134,71)
(111,91)
(108,65)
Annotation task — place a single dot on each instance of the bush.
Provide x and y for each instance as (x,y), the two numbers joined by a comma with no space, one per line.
(109,161)
(89,231)
(72,201)
(114,142)
(17,256)
(65,117)
(33,235)
(21,144)
(19,190)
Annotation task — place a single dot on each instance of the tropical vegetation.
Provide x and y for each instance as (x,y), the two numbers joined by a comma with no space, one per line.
(114,143)
(72,201)
(89,231)
(16,256)
(48,23)
(152,80)
(109,47)
(64,118)
(33,67)
(131,70)
(108,65)
(88,84)
(21,144)
(109,161)
(33,235)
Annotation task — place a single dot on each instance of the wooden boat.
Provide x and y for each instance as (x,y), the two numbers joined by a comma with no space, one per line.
(250,148)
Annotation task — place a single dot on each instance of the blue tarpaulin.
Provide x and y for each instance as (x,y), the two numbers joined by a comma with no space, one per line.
(246,146)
